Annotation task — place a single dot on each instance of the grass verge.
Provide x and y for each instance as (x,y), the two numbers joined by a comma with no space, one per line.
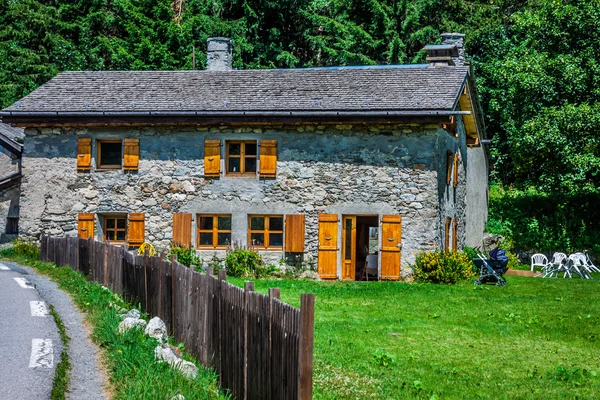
(60,384)
(133,372)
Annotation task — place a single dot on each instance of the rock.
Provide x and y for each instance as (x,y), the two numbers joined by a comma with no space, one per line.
(156,329)
(133,313)
(167,353)
(129,323)
(178,397)
(406,275)
(149,202)
(188,186)
(187,369)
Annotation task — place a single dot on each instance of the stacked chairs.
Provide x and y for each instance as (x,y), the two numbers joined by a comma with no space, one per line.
(578,264)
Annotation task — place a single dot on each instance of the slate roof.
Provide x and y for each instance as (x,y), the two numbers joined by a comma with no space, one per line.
(354,89)
(10,137)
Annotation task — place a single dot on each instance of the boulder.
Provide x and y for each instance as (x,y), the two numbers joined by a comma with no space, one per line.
(167,353)
(187,369)
(129,323)
(157,329)
(133,313)
(178,397)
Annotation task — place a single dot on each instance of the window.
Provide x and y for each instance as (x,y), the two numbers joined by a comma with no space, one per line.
(449,158)
(241,157)
(110,154)
(214,231)
(265,231)
(115,228)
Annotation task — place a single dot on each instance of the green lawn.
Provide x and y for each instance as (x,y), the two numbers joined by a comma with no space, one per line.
(535,338)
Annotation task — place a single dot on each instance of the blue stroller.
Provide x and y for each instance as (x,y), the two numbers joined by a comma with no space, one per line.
(492,269)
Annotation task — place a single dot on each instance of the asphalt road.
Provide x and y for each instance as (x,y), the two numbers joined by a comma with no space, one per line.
(30,344)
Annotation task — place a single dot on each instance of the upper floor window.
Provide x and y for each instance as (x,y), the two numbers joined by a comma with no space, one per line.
(265,231)
(241,157)
(214,231)
(110,154)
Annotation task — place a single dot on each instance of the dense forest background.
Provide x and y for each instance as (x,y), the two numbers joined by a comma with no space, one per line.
(537,65)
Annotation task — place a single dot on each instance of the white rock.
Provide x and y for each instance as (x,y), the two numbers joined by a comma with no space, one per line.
(129,323)
(164,353)
(133,313)
(187,369)
(178,397)
(157,329)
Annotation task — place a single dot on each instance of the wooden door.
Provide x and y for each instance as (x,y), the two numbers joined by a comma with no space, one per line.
(328,238)
(391,246)
(349,248)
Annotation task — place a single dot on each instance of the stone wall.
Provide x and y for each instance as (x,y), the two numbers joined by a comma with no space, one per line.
(477,196)
(339,169)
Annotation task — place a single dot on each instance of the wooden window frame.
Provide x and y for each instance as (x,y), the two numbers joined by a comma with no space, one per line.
(105,230)
(455,166)
(447,238)
(449,162)
(99,144)
(215,231)
(266,231)
(242,157)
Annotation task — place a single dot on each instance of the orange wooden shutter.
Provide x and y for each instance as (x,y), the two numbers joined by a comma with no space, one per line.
(131,153)
(391,246)
(455,169)
(85,225)
(455,234)
(182,229)
(328,240)
(136,229)
(212,158)
(448,167)
(268,158)
(447,243)
(294,233)
(84,154)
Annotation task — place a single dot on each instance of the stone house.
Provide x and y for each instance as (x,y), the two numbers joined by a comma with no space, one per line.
(353,169)
(10,180)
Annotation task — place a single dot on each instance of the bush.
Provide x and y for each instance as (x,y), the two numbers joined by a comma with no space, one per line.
(26,248)
(186,256)
(443,267)
(244,263)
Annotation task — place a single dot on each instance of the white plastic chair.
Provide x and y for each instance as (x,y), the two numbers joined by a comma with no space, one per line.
(578,264)
(556,265)
(590,264)
(539,260)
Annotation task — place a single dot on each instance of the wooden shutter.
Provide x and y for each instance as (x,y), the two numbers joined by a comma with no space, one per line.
(391,246)
(136,229)
(455,234)
(85,225)
(455,169)
(328,239)
(268,158)
(294,233)
(447,238)
(212,158)
(448,167)
(182,229)
(84,154)
(131,153)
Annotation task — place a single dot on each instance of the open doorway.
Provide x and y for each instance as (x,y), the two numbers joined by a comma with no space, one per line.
(360,247)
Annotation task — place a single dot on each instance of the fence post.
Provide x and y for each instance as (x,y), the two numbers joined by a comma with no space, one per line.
(222,278)
(274,293)
(248,287)
(105,280)
(307,332)
(209,275)
(146,280)
(173,324)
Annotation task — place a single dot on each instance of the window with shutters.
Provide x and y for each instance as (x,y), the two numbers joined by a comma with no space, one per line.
(265,231)
(115,228)
(110,154)
(241,157)
(214,231)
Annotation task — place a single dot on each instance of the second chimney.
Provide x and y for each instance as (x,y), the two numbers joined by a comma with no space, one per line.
(218,54)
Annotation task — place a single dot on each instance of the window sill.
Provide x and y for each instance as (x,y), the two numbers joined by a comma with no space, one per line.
(109,168)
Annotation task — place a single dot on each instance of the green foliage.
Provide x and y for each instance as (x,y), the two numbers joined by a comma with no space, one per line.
(26,248)
(60,383)
(443,267)
(186,256)
(383,358)
(244,263)
(573,376)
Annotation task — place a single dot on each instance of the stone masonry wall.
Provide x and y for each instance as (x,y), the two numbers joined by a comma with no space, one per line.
(339,169)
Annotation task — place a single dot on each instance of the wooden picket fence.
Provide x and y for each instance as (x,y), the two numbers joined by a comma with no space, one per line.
(261,347)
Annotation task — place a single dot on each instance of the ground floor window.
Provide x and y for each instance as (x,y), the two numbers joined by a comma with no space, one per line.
(214,231)
(115,228)
(265,231)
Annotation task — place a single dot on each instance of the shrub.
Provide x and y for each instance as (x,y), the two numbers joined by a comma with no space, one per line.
(243,263)
(443,267)
(186,256)
(26,248)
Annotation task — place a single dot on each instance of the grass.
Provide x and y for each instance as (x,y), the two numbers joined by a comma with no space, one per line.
(60,383)
(133,373)
(535,338)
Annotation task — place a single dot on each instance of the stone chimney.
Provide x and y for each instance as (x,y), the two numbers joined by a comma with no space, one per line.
(218,54)
(457,39)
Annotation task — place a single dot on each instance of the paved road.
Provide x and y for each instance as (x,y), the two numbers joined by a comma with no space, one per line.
(30,344)
(19,328)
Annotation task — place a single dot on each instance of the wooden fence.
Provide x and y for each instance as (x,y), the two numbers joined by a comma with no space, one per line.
(261,347)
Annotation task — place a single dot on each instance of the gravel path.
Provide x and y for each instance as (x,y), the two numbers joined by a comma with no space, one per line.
(86,379)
